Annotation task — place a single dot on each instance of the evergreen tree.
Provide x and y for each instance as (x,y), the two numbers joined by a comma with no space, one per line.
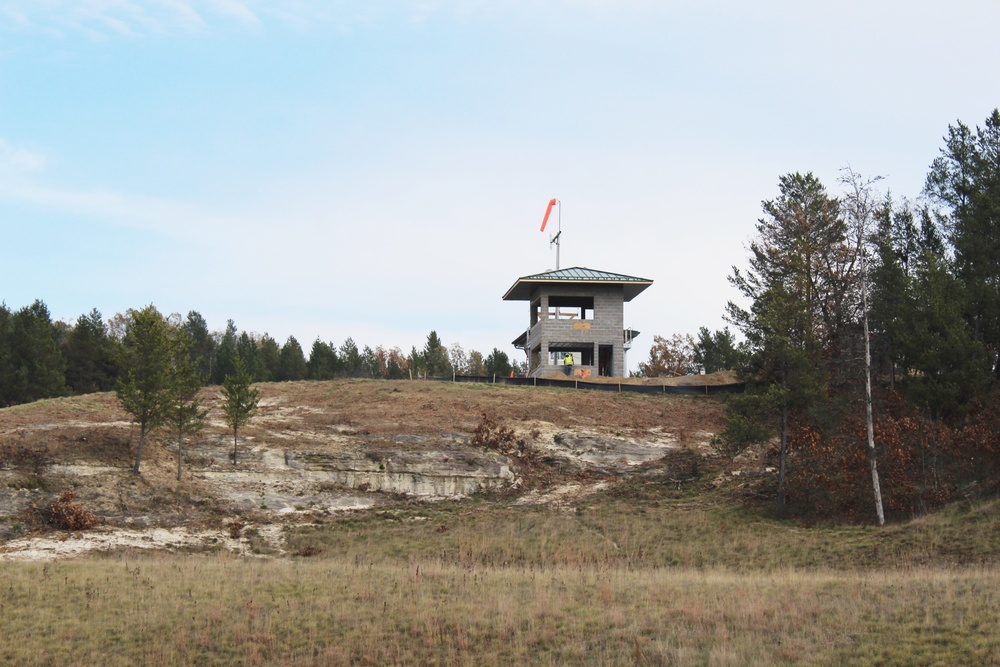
(349,359)
(90,364)
(435,356)
(6,363)
(372,366)
(322,363)
(202,344)
(249,354)
(240,400)
(947,366)
(292,362)
(416,364)
(965,180)
(270,355)
(498,364)
(144,381)
(716,351)
(798,292)
(895,251)
(184,413)
(36,366)
(225,354)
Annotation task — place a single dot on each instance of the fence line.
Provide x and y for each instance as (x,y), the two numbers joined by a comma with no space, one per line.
(617,387)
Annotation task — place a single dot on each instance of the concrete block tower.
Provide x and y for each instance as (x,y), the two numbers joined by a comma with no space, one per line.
(578,312)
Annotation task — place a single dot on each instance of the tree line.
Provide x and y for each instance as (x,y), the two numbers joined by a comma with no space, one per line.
(683,354)
(870,338)
(871,327)
(45,358)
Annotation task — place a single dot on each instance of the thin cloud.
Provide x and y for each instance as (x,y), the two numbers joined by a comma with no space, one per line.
(104,19)
(236,10)
(19,160)
(165,217)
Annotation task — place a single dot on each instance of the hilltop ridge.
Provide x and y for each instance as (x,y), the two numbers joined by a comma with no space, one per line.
(329,447)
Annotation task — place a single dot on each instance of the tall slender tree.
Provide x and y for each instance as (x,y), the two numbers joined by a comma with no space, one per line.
(435,356)
(860,207)
(965,181)
(202,344)
(249,354)
(144,381)
(225,353)
(184,413)
(796,317)
(894,261)
(240,401)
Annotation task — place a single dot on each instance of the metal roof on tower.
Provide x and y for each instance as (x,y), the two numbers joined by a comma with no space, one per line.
(523,288)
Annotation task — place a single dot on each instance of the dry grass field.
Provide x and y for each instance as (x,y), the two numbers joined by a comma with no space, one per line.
(622,537)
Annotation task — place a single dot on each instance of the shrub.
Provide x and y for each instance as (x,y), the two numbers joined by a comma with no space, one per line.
(68,515)
(489,434)
(235,529)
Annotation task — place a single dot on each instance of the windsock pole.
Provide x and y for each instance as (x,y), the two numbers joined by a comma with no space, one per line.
(555,239)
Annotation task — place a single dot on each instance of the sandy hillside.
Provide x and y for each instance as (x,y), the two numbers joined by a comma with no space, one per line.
(327,447)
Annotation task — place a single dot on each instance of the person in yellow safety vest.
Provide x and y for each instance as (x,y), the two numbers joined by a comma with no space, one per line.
(568,364)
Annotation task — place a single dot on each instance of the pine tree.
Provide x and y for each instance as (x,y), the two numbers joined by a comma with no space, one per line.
(36,366)
(225,354)
(270,355)
(435,356)
(144,382)
(349,359)
(372,364)
(717,351)
(947,366)
(965,180)
(184,413)
(241,400)
(797,289)
(202,344)
(249,354)
(893,263)
(89,352)
(6,363)
(323,362)
(498,364)
(292,362)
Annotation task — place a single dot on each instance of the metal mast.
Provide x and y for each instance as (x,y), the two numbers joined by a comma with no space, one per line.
(556,239)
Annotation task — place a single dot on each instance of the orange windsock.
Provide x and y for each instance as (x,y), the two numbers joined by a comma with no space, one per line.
(548,210)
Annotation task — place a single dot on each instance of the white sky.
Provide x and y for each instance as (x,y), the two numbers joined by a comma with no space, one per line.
(380,169)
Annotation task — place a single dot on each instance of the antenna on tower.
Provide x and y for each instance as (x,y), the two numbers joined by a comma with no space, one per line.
(554,240)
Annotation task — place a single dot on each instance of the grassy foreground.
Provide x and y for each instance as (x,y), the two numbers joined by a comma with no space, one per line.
(172,610)
(635,575)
